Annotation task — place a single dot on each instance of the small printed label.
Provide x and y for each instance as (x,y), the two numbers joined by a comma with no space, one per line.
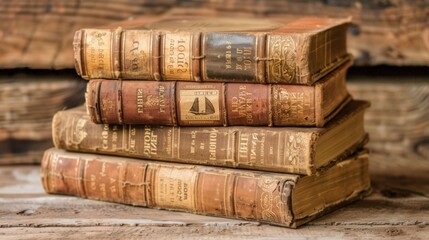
(199,105)
(98,53)
(230,56)
(177,56)
(174,188)
(136,53)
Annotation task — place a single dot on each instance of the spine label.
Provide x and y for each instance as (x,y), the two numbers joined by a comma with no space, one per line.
(175,188)
(230,56)
(248,104)
(200,104)
(98,53)
(177,56)
(149,103)
(136,54)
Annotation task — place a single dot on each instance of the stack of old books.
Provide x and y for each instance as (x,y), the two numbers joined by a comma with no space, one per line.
(239,118)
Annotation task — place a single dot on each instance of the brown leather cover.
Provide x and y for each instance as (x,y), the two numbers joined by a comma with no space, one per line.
(282,149)
(217,104)
(214,49)
(261,196)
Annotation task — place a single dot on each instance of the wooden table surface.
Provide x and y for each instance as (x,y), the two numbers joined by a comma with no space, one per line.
(398,208)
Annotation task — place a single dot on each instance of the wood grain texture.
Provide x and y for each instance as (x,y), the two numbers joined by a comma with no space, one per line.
(38,34)
(29,99)
(398,119)
(398,207)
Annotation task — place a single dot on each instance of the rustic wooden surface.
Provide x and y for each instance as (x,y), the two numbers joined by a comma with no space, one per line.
(397,209)
(398,119)
(38,34)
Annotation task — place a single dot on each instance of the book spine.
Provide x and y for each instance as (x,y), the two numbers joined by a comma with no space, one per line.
(193,56)
(264,197)
(200,104)
(242,147)
(114,54)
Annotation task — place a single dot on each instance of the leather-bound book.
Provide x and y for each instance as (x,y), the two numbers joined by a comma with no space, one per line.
(281,199)
(175,103)
(259,50)
(281,149)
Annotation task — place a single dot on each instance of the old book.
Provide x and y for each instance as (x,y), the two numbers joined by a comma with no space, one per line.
(281,199)
(392,33)
(217,104)
(281,149)
(214,49)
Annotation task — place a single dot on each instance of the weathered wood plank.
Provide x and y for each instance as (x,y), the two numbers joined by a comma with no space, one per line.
(217,232)
(38,34)
(29,99)
(398,119)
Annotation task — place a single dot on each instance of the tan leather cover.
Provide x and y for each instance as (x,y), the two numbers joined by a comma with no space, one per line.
(217,104)
(214,49)
(283,149)
(250,195)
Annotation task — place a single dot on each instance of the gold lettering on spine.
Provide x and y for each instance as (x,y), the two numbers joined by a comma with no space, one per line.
(139,100)
(150,140)
(169,142)
(98,53)
(136,54)
(243,145)
(105,137)
(174,187)
(132,140)
(251,147)
(282,58)
(114,137)
(177,56)
(293,105)
(243,104)
(161,98)
(212,145)
(244,58)
(228,54)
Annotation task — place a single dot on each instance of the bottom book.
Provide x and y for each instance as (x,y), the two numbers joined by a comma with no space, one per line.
(276,198)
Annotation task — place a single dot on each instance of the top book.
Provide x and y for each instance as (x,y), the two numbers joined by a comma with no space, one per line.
(272,50)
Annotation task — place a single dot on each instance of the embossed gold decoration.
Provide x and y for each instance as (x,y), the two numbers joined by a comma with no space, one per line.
(281,58)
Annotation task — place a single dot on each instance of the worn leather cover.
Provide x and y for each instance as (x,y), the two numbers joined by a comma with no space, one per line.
(282,149)
(214,49)
(217,104)
(261,196)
